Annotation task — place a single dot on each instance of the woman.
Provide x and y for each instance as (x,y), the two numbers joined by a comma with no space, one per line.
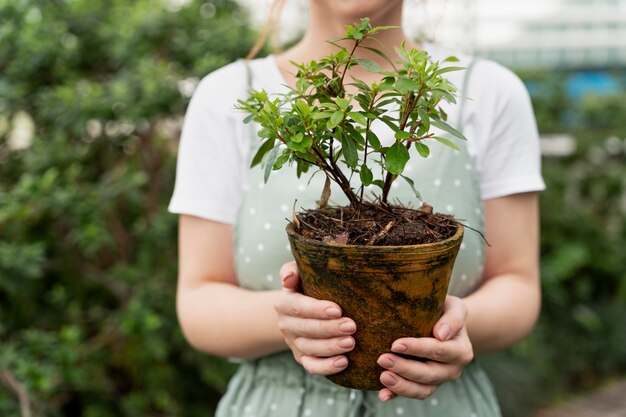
(232,244)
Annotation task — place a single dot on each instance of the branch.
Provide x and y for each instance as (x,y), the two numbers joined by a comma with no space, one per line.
(411,140)
(345,70)
(13,385)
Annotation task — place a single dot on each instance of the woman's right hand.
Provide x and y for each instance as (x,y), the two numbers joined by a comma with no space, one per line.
(313,329)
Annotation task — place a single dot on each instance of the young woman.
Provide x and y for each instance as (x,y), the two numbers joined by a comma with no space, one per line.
(237,293)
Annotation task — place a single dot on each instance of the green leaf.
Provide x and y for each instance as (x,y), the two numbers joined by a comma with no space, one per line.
(448,69)
(373,140)
(379,183)
(248,118)
(342,103)
(297,138)
(404,85)
(446,127)
(424,118)
(422,149)
(447,142)
(369,65)
(302,145)
(358,138)
(335,119)
(321,115)
(366,175)
(269,162)
(358,117)
(412,185)
(389,122)
(379,28)
(445,94)
(261,152)
(280,161)
(401,134)
(350,154)
(451,59)
(396,158)
(302,107)
(265,133)
(379,53)
(329,105)
(301,167)
(386,102)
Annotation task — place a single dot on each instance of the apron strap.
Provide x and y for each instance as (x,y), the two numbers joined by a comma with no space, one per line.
(246,65)
(465,97)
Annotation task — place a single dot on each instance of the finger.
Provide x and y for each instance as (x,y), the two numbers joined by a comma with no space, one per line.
(299,305)
(324,347)
(317,329)
(427,373)
(290,276)
(405,388)
(386,394)
(452,320)
(457,350)
(324,366)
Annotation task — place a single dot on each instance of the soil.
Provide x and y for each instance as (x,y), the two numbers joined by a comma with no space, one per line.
(377,225)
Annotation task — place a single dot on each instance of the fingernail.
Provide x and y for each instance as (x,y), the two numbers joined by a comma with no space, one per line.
(345,342)
(385,397)
(333,312)
(385,361)
(389,379)
(399,347)
(340,363)
(347,326)
(289,275)
(444,332)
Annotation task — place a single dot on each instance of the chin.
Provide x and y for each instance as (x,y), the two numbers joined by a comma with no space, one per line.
(353,10)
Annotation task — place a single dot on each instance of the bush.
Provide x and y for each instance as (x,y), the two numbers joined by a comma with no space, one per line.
(580,340)
(87,250)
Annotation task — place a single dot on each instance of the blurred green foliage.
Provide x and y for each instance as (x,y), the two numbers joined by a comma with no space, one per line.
(88,252)
(87,249)
(580,340)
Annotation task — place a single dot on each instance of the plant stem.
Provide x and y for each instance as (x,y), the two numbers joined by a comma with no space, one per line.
(345,70)
(338,177)
(411,102)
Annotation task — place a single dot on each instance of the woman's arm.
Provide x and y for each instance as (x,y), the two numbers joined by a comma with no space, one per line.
(220,318)
(506,306)
(216,315)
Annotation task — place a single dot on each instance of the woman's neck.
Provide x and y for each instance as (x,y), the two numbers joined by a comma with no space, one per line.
(323,27)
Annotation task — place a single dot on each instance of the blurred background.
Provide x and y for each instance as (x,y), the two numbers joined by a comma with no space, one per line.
(92,94)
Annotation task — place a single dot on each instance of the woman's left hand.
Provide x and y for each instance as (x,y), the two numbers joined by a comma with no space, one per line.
(445,354)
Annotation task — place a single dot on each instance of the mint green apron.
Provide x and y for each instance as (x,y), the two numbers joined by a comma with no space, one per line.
(277,385)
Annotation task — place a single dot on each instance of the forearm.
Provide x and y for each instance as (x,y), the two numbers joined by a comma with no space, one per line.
(502,312)
(225,320)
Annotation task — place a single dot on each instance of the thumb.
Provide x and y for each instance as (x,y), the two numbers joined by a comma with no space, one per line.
(453,319)
(290,276)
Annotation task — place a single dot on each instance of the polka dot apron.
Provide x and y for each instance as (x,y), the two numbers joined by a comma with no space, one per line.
(277,385)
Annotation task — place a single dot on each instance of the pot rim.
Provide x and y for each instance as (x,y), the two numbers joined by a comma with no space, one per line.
(445,244)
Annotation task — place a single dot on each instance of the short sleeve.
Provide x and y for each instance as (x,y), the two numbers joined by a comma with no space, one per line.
(209,166)
(510,161)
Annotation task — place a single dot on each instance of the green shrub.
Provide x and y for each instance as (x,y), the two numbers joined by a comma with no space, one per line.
(87,249)
(580,339)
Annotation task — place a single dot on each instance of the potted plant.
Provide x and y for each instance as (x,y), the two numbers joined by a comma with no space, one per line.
(387,266)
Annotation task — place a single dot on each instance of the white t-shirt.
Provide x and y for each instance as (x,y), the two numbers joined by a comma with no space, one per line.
(213,156)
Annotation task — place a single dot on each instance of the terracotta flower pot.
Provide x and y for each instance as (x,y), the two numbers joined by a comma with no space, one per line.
(389,291)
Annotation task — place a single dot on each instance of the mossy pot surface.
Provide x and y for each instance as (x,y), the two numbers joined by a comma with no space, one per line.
(389,291)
